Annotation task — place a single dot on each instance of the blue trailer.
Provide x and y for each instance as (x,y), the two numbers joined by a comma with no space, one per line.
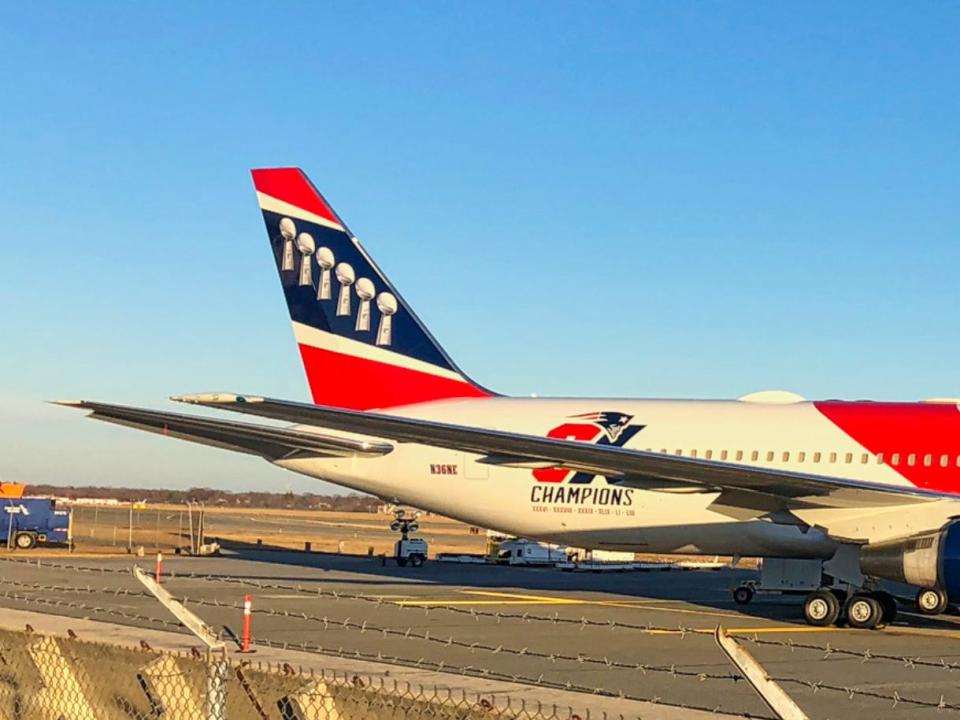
(29,521)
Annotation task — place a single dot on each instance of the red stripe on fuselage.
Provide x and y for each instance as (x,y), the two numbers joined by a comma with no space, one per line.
(347,381)
(918,429)
(291,186)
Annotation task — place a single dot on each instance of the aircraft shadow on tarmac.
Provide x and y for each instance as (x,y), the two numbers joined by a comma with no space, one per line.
(710,589)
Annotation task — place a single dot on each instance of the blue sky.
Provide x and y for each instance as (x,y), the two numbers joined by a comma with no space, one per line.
(620,199)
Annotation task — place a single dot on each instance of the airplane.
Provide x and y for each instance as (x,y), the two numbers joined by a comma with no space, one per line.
(842,494)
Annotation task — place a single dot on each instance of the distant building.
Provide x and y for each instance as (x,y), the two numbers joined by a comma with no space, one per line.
(89,501)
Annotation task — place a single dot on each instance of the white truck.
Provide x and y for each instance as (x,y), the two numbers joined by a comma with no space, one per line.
(530,552)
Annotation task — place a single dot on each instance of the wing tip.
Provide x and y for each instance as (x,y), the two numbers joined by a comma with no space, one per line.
(215,398)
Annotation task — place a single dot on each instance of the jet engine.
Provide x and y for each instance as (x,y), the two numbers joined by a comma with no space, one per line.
(928,560)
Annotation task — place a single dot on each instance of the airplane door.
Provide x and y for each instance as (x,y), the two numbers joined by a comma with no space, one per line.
(472,470)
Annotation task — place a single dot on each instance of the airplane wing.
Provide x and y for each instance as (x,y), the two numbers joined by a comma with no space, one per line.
(750,488)
(272,443)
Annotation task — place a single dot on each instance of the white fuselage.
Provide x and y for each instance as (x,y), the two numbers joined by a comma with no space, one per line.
(597,514)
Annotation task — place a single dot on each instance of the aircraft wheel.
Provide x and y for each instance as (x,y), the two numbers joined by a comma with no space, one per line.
(821,608)
(888,604)
(417,560)
(25,541)
(864,612)
(743,595)
(931,601)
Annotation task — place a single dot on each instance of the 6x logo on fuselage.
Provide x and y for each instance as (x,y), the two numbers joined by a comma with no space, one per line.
(600,428)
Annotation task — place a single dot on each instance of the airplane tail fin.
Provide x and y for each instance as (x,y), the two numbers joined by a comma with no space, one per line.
(362,345)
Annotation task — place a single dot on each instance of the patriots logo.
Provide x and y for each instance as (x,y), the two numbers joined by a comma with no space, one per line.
(602,428)
(613,423)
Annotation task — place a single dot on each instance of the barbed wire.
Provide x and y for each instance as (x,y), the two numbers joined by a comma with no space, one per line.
(481,672)
(409,633)
(556,619)
(69,604)
(408,662)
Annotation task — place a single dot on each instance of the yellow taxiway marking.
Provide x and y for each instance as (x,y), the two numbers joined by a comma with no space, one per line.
(442,603)
(550,600)
(783,629)
(505,598)
(923,632)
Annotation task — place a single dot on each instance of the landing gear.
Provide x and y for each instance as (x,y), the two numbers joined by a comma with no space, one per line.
(743,595)
(821,608)
(864,611)
(931,601)
(888,604)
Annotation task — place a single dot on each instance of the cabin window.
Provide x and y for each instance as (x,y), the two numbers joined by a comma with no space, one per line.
(944,460)
(663,451)
(786,457)
(723,454)
(879,458)
(816,457)
(708,454)
(755,455)
(769,455)
(911,459)
(895,460)
(865,459)
(848,458)
(833,457)
(693,453)
(927,460)
(740,456)
(801,456)
(679,452)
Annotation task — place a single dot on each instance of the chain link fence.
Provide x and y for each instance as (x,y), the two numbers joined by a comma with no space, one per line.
(51,678)
(128,527)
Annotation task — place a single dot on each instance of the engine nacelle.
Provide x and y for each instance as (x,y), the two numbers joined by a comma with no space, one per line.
(928,560)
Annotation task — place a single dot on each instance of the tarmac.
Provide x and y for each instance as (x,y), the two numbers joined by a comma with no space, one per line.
(642,636)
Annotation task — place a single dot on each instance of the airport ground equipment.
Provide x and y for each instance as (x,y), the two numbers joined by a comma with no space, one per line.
(33,521)
(530,552)
(407,549)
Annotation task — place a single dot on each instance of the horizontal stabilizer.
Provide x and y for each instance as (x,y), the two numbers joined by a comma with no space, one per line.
(272,443)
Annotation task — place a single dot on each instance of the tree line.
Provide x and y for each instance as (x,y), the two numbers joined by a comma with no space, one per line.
(353,502)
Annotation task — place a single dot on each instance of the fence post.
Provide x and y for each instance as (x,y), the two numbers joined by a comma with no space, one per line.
(218,669)
(159,567)
(769,691)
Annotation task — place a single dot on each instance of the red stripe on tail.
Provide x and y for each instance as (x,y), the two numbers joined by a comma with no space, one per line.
(357,383)
(291,186)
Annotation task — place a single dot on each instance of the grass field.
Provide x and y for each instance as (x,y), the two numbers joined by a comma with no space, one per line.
(167,527)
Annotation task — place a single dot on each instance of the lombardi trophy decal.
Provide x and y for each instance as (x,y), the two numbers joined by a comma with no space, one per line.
(388,308)
(365,291)
(325,260)
(306,247)
(346,276)
(287,231)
